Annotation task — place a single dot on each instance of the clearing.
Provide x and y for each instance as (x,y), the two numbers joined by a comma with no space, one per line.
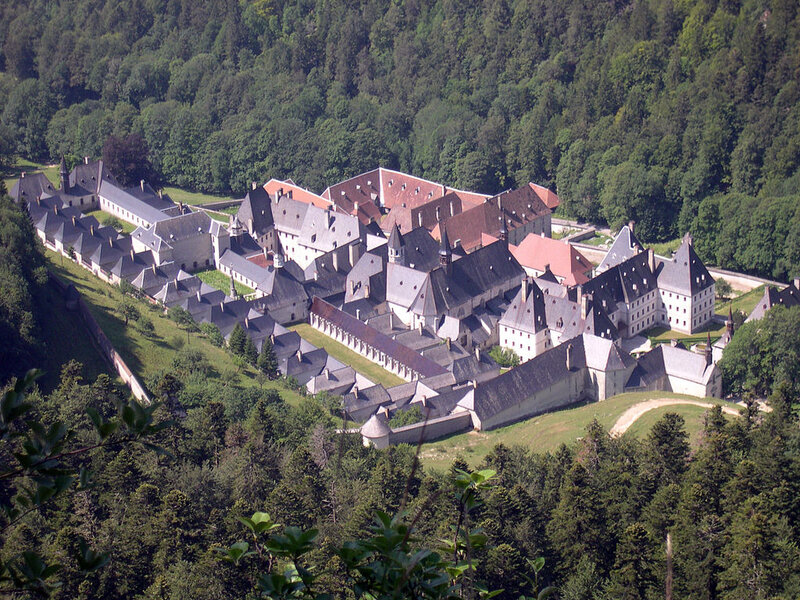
(630,416)
(219,280)
(195,198)
(545,433)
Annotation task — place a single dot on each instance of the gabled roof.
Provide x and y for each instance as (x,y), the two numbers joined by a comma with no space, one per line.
(85,178)
(565,261)
(685,273)
(29,187)
(130,201)
(666,360)
(625,246)
(550,199)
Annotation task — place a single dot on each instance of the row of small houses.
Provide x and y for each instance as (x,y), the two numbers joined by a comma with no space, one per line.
(110,256)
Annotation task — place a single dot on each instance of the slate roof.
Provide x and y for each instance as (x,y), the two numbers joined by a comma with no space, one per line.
(625,246)
(176,229)
(788,296)
(127,201)
(85,178)
(527,314)
(256,206)
(666,360)
(685,273)
(624,282)
(361,403)
(29,187)
(376,339)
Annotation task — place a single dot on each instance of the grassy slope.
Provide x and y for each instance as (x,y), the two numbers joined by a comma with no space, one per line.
(219,280)
(65,339)
(341,352)
(147,356)
(547,432)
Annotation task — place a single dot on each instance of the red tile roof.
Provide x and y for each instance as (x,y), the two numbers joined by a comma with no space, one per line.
(548,197)
(537,252)
(273,186)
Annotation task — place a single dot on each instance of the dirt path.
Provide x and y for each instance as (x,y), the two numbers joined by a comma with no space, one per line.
(629,417)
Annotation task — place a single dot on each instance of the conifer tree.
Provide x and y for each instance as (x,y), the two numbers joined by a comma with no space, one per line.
(237,340)
(250,351)
(267,363)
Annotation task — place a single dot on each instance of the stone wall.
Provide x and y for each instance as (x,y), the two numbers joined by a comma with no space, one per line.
(432,429)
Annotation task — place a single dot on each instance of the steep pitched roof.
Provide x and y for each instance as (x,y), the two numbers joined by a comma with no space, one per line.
(547,196)
(789,296)
(528,313)
(625,246)
(256,208)
(29,187)
(277,188)
(624,282)
(685,273)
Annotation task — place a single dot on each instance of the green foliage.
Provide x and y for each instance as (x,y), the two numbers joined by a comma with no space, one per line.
(267,363)
(128,311)
(723,289)
(505,357)
(213,334)
(237,342)
(406,417)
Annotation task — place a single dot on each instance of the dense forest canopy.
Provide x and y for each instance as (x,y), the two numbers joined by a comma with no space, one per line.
(656,110)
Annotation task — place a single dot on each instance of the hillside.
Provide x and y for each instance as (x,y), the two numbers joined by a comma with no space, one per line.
(641,110)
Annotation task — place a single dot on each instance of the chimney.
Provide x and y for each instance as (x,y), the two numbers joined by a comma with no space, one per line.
(524,289)
(354,253)
(254,184)
(358,314)
(110,243)
(797,283)
(585,299)
(578,293)
(355,206)
(366,290)
(22,175)
(272,338)
(299,355)
(419,327)
(86,160)
(478,353)
(631,225)
(247,322)
(133,254)
(709,355)
(328,219)
(327,373)
(547,267)
(474,384)
(161,194)
(199,295)
(355,391)
(154,269)
(449,344)
(651,260)
(570,357)
(74,220)
(335,260)
(141,184)
(91,232)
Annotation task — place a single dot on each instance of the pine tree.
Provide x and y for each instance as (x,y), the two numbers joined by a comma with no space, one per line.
(250,352)
(267,363)
(237,340)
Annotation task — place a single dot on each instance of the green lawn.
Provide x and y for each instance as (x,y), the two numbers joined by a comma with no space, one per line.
(558,235)
(366,367)
(10,177)
(598,239)
(219,280)
(105,218)
(196,198)
(143,355)
(745,302)
(692,414)
(546,433)
(666,248)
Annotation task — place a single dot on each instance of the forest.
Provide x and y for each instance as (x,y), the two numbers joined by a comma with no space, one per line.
(678,114)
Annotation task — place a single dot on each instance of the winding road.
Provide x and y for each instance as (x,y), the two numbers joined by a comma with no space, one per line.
(629,417)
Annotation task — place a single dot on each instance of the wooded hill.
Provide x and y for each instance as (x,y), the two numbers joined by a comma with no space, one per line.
(678,114)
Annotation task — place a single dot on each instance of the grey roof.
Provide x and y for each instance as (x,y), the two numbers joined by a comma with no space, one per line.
(176,229)
(128,267)
(624,282)
(529,314)
(289,215)
(303,366)
(666,360)
(395,238)
(685,273)
(333,380)
(359,404)
(375,427)
(256,207)
(788,296)
(30,187)
(626,245)
(85,178)
(127,201)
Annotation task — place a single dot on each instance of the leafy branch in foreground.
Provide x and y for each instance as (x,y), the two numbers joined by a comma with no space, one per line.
(36,467)
(387,564)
